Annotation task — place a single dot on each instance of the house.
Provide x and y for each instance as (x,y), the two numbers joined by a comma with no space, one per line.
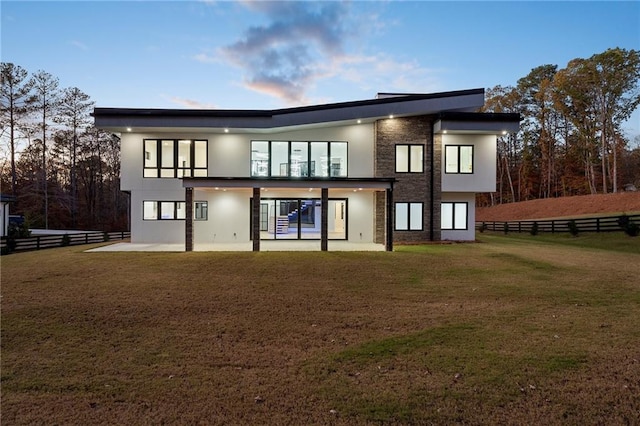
(399,168)
(4,213)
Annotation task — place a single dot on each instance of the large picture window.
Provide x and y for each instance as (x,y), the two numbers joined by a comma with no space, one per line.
(298,159)
(458,158)
(409,158)
(454,216)
(164,210)
(175,158)
(408,217)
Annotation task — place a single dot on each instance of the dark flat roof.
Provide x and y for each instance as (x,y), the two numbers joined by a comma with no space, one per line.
(241,113)
(479,116)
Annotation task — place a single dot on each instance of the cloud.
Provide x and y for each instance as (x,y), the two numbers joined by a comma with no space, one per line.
(79,44)
(303,44)
(280,58)
(190,103)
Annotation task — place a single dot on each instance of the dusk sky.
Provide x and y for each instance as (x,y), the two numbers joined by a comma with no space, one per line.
(264,55)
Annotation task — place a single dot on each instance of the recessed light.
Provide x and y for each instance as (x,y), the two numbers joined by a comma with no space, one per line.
(390,115)
(226,130)
(504,132)
(128,129)
(444,131)
(359,121)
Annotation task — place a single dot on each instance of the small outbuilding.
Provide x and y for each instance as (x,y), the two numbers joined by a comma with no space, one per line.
(5,200)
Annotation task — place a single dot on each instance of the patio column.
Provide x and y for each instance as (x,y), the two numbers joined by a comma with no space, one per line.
(255,219)
(390,219)
(188,225)
(324,220)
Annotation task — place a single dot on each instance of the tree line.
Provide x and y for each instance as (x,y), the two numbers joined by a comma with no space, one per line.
(571,139)
(62,171)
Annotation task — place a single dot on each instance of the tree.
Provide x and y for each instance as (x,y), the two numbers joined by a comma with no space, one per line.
(509,162)
(16,103)
(74,109)
(47,97)
(597,95)
(541,124)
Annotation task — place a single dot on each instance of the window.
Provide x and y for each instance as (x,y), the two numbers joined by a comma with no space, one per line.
(298,159)
(171,158)
(454,216)
(200,210)
(408,217)
(164,210)
(458,158)
(409,158)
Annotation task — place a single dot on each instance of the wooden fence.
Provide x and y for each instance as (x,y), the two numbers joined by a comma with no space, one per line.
(585,224)
(40,242)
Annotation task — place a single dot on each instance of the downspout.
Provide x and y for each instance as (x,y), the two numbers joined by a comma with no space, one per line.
(431,183)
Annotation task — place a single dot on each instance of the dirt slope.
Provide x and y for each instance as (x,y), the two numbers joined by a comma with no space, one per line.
(627,202)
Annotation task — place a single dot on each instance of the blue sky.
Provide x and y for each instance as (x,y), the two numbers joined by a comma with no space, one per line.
(263,55)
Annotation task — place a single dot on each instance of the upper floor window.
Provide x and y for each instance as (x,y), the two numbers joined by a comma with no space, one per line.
(458,158)
(409,158)
(298,159)
(453,216)
(175,158)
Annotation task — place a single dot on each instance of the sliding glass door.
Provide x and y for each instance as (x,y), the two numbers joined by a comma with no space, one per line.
(300,219)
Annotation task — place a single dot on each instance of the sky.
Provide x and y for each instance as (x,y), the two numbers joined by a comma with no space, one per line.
(269,55)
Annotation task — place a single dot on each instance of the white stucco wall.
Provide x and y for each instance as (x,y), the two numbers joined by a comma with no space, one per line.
(229,155)
(228,216)
(462,235)
(229,213)
(483,178)
(155,231)
(361,208)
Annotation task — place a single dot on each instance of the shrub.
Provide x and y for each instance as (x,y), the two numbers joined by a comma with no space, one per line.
(483,227)
(65,240)
(105,236)
(534,229)
(506,228)
(573,228)
(630,228)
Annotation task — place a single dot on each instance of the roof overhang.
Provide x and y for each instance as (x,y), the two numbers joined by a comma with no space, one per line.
(476,123)
(268,121)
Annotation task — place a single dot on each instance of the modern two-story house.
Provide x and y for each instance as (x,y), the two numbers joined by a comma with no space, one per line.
(399,168)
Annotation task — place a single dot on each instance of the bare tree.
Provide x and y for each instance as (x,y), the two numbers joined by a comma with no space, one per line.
(47,98)
(74,109)
(16,98)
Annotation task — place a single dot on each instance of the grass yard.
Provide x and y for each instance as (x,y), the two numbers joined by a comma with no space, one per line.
(511,330)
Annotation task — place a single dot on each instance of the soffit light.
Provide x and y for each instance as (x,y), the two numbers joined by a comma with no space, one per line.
(226,130)
(128,129)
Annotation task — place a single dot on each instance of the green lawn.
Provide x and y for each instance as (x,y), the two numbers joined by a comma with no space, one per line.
(510,330)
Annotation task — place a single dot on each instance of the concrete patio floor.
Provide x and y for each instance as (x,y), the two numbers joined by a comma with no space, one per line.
(264,246)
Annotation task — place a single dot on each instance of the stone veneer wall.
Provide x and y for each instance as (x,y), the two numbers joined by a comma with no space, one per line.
(410,187)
